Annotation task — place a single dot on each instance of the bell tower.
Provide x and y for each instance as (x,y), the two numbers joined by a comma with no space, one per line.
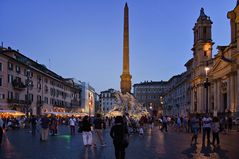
(202,48)
(202,59)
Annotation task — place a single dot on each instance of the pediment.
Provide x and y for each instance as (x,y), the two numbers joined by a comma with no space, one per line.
(220,68)
(219,65)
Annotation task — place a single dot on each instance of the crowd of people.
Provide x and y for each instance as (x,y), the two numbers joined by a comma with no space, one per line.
(121,127)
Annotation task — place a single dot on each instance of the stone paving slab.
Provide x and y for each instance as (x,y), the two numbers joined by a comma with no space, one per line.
(19,144)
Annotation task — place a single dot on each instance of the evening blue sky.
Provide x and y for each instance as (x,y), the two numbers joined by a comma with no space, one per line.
(84,38)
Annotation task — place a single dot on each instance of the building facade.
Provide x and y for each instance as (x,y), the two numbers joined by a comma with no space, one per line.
(210,84)
(224,74)
(107,100)
(30,87)
(150,95)
(176,97)
(215,81)
(88,98)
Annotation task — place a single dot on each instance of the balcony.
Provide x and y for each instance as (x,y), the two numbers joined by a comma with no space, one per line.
(18,85)
(19,102)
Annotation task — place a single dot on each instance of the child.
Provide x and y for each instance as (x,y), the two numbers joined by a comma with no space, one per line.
(141,131)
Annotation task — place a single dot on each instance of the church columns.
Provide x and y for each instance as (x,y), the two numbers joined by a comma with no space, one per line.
(192,109)
(215,96)
(232,91)
(201,105)
(237,33)
(228,93)
(210,99)
(219,98)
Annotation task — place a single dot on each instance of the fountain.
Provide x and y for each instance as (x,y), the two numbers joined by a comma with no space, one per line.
(126,103)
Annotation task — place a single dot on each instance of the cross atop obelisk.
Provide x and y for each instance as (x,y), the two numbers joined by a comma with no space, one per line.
(125,84)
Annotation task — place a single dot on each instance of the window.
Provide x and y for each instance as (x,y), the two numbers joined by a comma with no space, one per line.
(46,100)
(38,98)
(2,96)
(31,74)
(204,33)
(0,81)
(18,69)
(0,66)
(10,95)
(10,78)
(31,97)
(10,66)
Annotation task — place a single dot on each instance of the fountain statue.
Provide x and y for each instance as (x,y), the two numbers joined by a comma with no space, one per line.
(126,103)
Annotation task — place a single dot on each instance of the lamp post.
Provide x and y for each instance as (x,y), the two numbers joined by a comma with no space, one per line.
(206,85)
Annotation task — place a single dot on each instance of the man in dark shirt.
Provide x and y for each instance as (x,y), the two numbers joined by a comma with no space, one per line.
(33,124)
(119,134)
(98,126)
(45,128)
(1,130)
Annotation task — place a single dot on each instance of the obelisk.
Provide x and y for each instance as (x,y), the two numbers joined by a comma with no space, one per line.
(125,84)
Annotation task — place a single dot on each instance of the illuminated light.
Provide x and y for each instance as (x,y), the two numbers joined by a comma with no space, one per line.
(207,69)
(207,47)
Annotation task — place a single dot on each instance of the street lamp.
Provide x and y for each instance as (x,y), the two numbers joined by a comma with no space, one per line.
(206,85)
(151,108)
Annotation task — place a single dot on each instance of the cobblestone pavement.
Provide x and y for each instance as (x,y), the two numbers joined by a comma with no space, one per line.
(19,144)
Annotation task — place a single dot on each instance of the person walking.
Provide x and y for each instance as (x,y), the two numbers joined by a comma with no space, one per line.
(230,124)
(215,130)
(33,125)
(195,127)
(72,122)
(179,124)
(165,124)
(119,134)
(86,131)
(45,128)
(53,125)
(98,128)
(206,124)
(1,130)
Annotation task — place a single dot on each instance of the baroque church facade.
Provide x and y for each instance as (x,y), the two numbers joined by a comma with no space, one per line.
(214,81)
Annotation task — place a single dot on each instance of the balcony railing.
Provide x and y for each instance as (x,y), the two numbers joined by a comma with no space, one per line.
(18,85)
(21,102)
